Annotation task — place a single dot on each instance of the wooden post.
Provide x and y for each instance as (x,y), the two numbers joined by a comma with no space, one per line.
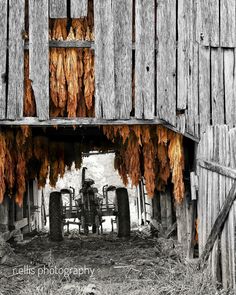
(28,206)
(163,210)
(4,218)
(181,222)
(156,206)
(139,204)
(143,202)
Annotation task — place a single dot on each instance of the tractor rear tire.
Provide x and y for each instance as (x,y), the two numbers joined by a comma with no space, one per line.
(55,217)
(123,212)
(94,229)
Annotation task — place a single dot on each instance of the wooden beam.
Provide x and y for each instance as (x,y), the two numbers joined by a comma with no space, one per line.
(74,44)
(3,57)
(218,225)
(39,55)
(67,122)
(215,167)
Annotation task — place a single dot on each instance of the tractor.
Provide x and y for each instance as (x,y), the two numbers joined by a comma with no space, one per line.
(89,208)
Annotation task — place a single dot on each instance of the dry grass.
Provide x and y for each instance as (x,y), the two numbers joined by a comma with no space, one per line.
(133,266)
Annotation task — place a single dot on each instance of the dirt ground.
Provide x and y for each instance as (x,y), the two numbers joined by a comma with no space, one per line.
(101,265)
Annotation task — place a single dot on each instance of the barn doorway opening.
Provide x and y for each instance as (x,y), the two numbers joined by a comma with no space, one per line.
(152,160)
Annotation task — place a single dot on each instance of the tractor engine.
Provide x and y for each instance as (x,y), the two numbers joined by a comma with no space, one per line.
(89,204)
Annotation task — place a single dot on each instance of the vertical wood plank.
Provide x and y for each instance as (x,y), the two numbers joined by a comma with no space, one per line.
(215,203)
(185,11)
(205,194)
(79,8)
(230,86)
(16,59)
(3,57)
(228,23)
(104,60)
(166,60)
(144,59)
(122,21)
(222,193)
(204,87)
(193,95)
(39,55)
(193,99)
(217,86)
(230,220)
(232,214)
(58,8)
(208,22)
(232,249)
(200,212)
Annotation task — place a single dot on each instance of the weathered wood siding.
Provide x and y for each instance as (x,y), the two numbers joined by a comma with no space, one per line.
(172,61)
(217,172)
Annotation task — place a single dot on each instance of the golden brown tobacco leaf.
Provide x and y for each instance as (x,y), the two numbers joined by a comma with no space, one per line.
(71,72)
(29,99)
(119,164)
(59,31)
(20,172)
(89,77)
(162,134)
(138,132)
(149,167)
(20,168)
(61,160)
(176,156)
(124,132)
(58,89)
(146,136)
(132,159)
(2,166)
(10,160)
(78,156)
(163,167)
(43,173)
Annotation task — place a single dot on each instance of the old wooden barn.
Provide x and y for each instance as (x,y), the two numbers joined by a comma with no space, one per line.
(89,73)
